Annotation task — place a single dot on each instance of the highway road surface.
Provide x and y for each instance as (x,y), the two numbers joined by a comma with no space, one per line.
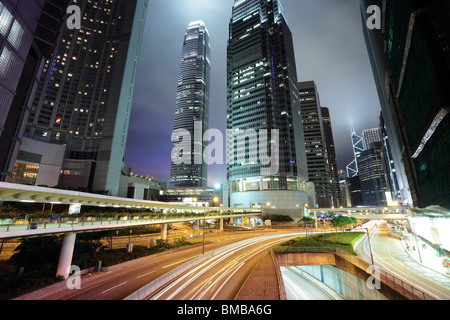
(220,277)
(299,288)
(123,280)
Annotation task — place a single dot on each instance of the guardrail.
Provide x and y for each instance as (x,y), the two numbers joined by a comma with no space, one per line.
(154,286)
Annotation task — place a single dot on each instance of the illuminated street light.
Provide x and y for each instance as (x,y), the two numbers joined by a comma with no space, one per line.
(214,200)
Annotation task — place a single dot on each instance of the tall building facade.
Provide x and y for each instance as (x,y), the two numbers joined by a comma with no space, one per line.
(390,168)
(358,146)
(372,176)
(192,106)
(262,95)
(315,144)
(337,199)
(28,31)
(410,58)
(85,93)
(371,135)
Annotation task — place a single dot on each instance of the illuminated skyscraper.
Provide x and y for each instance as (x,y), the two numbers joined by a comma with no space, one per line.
(358,147)
(332,159)
(86,90)
(315,144)
(192,106)
(262,95)
(372,175)
(371,135)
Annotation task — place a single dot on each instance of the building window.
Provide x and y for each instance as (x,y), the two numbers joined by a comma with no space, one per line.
(25,173)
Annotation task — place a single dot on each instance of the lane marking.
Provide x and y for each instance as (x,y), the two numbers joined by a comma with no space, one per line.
(145,274)
(114,287)
(178,262)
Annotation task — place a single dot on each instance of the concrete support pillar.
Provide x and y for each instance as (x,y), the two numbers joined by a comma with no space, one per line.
(164,232)
(221,224)
(65,257)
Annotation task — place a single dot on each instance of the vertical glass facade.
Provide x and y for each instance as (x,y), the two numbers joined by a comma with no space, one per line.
(372,176)
(262,95)
(315,144)
(192,104)
(332,159)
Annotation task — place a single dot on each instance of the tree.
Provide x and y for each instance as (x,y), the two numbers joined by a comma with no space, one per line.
(307,221)
(342,222)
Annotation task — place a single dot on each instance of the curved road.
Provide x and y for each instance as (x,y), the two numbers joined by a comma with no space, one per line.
(124,279)
(299,288)
(389,254)
(220,277)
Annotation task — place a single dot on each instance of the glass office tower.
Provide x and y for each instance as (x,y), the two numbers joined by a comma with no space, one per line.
(332,159)
(86,90)
(192,106)
(315,143)
(262,95)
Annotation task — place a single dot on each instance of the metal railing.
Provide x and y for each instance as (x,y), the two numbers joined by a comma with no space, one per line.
(81,221)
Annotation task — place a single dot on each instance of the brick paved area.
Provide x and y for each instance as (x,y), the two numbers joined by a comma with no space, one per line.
(262,283)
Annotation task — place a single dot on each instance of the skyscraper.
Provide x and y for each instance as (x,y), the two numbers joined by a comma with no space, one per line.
(390,169)
(315,144)
(410,56)
(332,159)
(358,147)
(372,176)
(28,30)
(192,105)
(371,135)
(262,95)
(85,94)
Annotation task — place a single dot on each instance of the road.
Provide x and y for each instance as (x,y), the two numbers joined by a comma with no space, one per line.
(122,280)
(299,288)
(389,254)
(220,277)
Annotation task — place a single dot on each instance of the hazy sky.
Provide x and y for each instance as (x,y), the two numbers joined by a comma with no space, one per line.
(329,48)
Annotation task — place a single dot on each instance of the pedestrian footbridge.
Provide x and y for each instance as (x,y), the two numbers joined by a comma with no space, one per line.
(153,213)
(362,213)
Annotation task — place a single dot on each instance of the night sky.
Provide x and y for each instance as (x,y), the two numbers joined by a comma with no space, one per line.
(329,48)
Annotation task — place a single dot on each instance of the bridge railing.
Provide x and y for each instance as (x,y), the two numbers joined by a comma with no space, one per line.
(35,224)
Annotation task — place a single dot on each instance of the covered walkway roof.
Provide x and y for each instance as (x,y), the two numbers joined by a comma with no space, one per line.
(24,193)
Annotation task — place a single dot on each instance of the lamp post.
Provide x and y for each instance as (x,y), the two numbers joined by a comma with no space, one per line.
(214,200)
(263,223)
(370,247)
(194,200)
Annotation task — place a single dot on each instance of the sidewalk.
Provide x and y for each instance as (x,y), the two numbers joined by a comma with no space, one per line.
(424,254)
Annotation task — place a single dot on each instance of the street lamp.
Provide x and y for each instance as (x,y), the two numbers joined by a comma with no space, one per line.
(262,215)
(370,248)
(214,200)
